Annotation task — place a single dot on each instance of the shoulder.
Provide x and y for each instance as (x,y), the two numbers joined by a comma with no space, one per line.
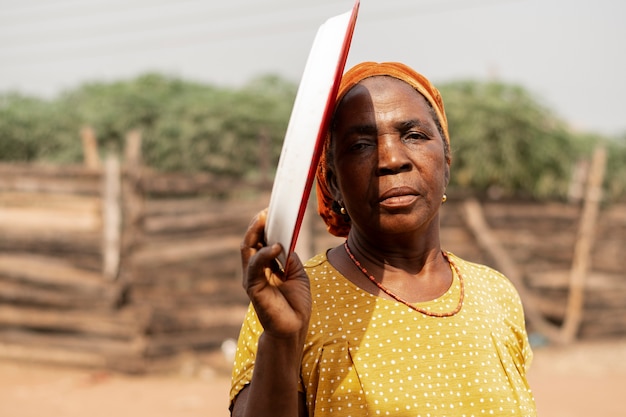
(319,268)
(479,270)
(479,275)
(326,282)
(489,290)
(316,261)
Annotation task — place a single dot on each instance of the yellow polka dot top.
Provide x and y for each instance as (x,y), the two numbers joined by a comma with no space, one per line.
(370,356)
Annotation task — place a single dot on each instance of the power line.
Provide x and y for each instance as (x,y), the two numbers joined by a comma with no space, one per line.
(78,11)
(184,34)
(68,30)
(156,41)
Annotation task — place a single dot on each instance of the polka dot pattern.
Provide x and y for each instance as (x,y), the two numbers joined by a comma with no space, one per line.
(366,355)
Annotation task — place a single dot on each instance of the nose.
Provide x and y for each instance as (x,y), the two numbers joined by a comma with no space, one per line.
(392,156)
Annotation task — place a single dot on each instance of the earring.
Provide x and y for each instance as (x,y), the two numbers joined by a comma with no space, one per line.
(444,198)
(342,210)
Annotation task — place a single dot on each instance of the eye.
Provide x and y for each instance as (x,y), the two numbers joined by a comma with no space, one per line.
(360,145)
(359,142)
(415,136)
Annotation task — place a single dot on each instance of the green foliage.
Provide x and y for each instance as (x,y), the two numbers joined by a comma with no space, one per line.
(615,183)
(185,125)
(26,127)
(504,141)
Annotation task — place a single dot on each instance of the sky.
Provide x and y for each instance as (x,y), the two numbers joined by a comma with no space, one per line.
(570,54)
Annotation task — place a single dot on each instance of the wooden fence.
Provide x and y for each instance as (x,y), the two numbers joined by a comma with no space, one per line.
(111,265)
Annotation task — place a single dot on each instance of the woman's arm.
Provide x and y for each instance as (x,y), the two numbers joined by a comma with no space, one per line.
(282,302)
(270,393)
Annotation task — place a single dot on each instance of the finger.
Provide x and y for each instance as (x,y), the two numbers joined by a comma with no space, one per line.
(254,239)
(293,265)
(295,271)
(264,259)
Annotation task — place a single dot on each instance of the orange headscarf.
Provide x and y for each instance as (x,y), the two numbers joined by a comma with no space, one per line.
(335,222)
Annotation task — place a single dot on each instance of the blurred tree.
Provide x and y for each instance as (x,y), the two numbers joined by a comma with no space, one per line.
(615,182)
(23,124)
(185,125)
(504,142)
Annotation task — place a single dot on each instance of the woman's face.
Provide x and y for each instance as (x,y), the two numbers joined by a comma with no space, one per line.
(388,165)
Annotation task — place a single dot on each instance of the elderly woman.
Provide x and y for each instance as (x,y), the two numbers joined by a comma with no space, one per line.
(387,323)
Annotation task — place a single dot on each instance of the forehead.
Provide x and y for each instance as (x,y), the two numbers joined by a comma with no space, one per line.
(382,95)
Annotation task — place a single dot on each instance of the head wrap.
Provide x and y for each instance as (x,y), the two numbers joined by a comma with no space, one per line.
(336,223)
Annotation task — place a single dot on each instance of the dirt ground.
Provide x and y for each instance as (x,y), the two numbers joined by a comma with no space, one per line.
(586,379)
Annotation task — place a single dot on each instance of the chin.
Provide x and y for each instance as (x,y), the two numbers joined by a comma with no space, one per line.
(408,223)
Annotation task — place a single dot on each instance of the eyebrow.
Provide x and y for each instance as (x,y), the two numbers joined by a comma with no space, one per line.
(362,128)
(408,124)
(401,126)
(431,129)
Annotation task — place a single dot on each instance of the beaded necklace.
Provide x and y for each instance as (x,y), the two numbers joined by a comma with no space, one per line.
(398,298)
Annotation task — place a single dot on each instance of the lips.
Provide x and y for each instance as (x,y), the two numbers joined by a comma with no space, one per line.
(398,197)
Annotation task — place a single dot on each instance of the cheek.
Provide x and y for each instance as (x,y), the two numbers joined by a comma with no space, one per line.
(354,185)
(440,166)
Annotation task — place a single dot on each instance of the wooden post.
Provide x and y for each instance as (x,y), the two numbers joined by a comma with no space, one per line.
(91,157)
(576,190)
(487,240)
(132,200)
(112,217)
(132,150)
(584,245)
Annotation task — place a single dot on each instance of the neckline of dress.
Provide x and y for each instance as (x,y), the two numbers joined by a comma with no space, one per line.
(399,299)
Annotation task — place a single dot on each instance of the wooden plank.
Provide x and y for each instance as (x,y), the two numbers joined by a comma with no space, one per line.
(46,220)
(49,271)
(19,169)
(559,279)
(603,323)
(530,211)
(58,297)
(185,250)
(615,215)
(49,241)
(122,324)
(199,318)
(158,206)
(160,183)
(608,254)
(608,301)
(67,202)
(83,184)
(195,221)
(181,274)
(161,299)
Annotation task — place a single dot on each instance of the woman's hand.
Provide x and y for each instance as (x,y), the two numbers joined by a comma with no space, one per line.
(282,299)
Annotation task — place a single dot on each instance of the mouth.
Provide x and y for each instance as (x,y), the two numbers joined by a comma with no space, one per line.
(398,197)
